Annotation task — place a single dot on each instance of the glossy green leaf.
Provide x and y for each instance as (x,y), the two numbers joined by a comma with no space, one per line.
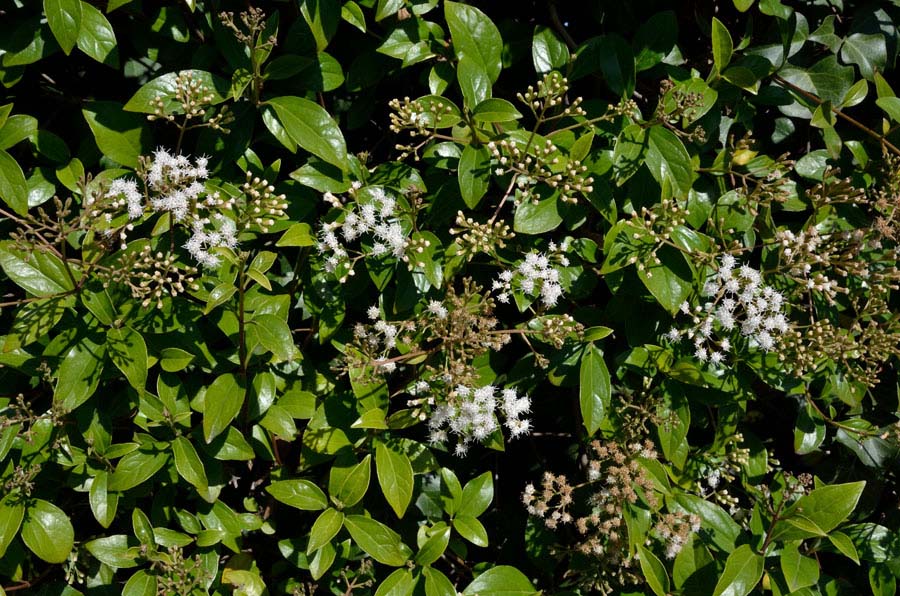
(395,476)
(595,389)
(495,110)
(743,570)
(275,335)
(548,51)
(399,583)
(477,495)
(121,136)
(189,465)
(79,374)
(502,580)
(475,37)
(96,37)
(471,529)
(135,468)
(668,160)
(312,128)
(298,493)
(128,351)
(537,218)
(437,584)
(12,512)
(165,88)
(13,186)
(377,540)
(474,174)
(221,404)
(113,551)
(844,545)
(799,571)
(722,45)
(326,527)
(103,502)
(348,484)
(141,583)
(47,531)
(654,572)
(39,274)
(434,547)
(64,18)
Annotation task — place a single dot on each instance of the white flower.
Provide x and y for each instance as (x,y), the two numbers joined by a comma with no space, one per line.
(437,309)
(373,312)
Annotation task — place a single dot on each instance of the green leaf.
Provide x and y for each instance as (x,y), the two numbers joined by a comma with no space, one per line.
(189,465)
(435,546)
(222,403)
(629,153)
(377,540)
(866,50)
(477,495)
(322,17)
(539,218)
(743,570)
(39,273)
(298,493)
(47,531)
(326,527)
(395,475)
(595,390)
(96,37)
(502,580)
(135,468)
(826,507)
(127,350)
(64,18)
(140,584)
(473,82)
(165,88)
(103,503)
(475,37)
(495,110)
(348,484)
(743,5)
(839,540)
(298,234)
(654,572)
(548,51)
(856,94)
(669,161)
(670,281)
(437,584)
(353,14)
(174,359)
(113,551)
(79,374)
(722,45)
(311,127)
(471,529)
(121,136)
(399,583)
(474,174)
(891,107)
(809,431)
(13,186)
(274,335)
(615,59)
(723,529)
(799,571)
(11,515)
(826,78)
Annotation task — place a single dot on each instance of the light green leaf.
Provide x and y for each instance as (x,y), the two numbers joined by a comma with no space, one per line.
(13,186)
(298,234)
(326,527)
(840,541)
(174,359)
(495,110)
(64,18)
(135,468)
(311,127)
(539,218)
(11,515)
(127,350)
(189,465)
(743,570)
(165,88)
(595,390)
(347,485)
(502,580)
(824,508)
(377,540)
(103,503)
(891,107)
(669,161)
(298,493)
(399,583)
(437,584)
(47,531)
(121,136)
(809,431)
(96,37)
(113,551)
(79,374)
(140,584)
(353,14)
(477,495)
(274,335)
(395,475)
(222,403)
(39,273)
(474,174)
(722,45)
(548,51)
(654,572)
(474,36)
(471,529)
(799,571)
(723,529)
(435,546)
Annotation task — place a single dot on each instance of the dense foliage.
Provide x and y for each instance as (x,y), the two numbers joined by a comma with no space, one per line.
(422,297)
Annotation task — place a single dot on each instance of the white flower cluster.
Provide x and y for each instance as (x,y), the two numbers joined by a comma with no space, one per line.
(375,217)
(175,185)
(737,301)
(471,415)
(535,276)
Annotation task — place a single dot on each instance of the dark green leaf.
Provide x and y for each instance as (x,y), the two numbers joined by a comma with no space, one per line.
(127,350)
(743,570)
(121,136)
(669,161)
(395,475)
(221,404)
(96,37)
(594,389)
(474,174)
(537,218)
(548,51)
(311,127)
(39,273)
(654,572)
(474,36)
(298,493)
(477,495)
